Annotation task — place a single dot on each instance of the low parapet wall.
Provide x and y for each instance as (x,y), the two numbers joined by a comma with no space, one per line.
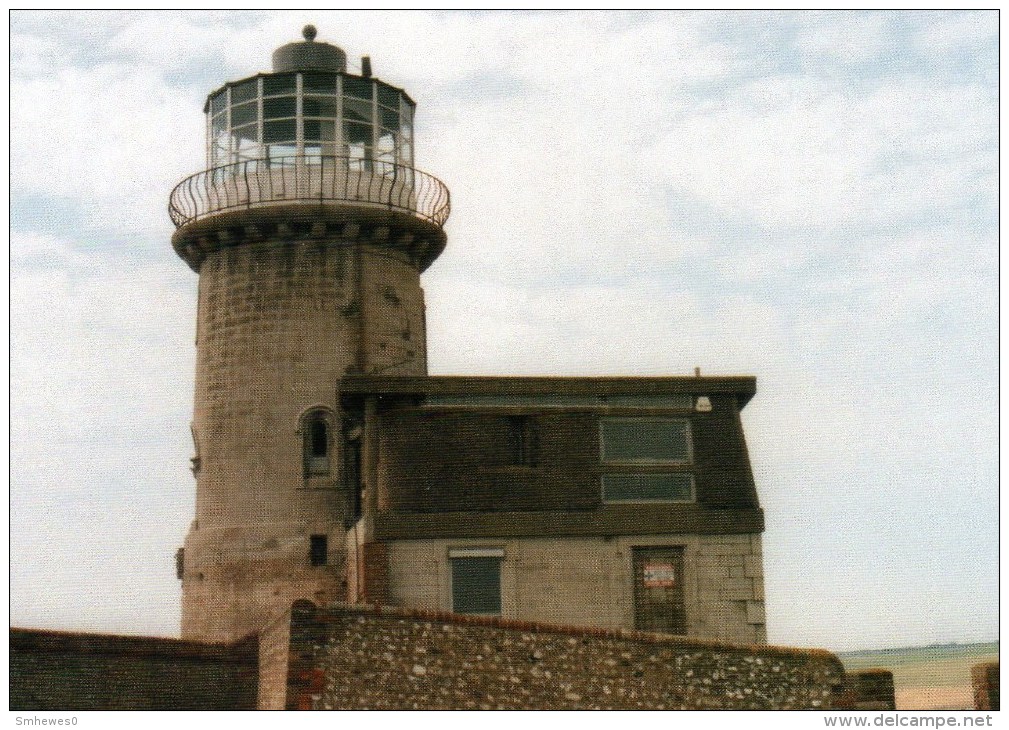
(351,657)
(985,681)
(54,670)
(870,689)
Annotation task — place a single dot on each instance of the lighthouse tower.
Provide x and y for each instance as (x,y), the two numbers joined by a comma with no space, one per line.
(309,229)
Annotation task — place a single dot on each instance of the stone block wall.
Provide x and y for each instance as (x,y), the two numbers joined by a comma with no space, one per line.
(352,657)
(71,671)
(282,316)
(589,581)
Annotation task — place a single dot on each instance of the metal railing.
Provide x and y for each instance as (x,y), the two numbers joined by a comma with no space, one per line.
(308,179)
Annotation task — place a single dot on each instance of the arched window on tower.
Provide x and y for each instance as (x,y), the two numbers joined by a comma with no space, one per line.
(317,446)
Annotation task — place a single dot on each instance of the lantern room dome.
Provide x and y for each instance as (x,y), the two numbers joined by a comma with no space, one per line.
(308,55)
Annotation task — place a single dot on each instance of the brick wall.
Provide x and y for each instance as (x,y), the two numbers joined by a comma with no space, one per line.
(274,650)
(71,671)
(870,689)
(985,681)
(350,657)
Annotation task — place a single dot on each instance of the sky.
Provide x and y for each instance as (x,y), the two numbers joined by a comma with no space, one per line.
(809,198)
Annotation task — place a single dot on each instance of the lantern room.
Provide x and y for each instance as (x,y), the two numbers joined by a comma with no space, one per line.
(308,109)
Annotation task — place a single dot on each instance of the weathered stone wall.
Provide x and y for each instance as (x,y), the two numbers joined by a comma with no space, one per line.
(589,581)
(280,321)
(355,658)
(69,671)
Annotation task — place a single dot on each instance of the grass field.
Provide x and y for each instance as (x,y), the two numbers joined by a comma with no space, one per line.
(928,677)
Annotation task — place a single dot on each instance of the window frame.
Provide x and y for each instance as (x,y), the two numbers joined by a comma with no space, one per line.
(495,554)
(644,467)
(219,120)
(317,467)
(645,461)
(648,500)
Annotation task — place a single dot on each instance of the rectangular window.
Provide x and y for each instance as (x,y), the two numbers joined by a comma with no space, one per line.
(476,581)
(676,487)
(319,550)
(645,441)
(319,130)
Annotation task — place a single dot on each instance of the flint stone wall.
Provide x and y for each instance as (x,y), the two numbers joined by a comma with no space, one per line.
(351,657)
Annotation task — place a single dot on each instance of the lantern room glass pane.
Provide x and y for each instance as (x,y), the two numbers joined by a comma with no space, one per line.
(357,87)
(388,96)
(244,91)
(389,118)
(247,148)
(280,131)
(248,132)
(386,145)
(315,151)
(318,129)
(282,106)
(283,154)
(355,132)
(244,114)
(318,106)
(280,84)
(218,102)
(355,110)
(220,151)
(316,82)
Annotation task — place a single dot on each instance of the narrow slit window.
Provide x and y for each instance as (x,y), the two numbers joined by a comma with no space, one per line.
(316,445)
(320,446)
(319,550)
(522,440)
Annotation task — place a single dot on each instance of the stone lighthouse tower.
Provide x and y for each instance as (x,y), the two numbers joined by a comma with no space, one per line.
(309,229)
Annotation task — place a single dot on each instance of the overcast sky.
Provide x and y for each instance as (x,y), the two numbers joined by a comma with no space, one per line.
(808,198)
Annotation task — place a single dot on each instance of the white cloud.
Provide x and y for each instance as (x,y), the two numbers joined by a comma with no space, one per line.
(115,139)
(797,155)
(958,32)
(849,37)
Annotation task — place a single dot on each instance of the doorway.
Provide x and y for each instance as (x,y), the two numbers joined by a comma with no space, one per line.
(658,590)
